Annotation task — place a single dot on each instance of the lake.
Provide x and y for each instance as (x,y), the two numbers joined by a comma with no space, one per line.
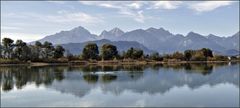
(162,85)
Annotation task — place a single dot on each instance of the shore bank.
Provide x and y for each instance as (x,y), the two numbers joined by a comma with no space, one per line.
(109,62)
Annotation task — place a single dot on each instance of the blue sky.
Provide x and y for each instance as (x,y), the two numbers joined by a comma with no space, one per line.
(31,20)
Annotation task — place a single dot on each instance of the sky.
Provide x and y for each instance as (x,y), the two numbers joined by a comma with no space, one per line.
(33,20)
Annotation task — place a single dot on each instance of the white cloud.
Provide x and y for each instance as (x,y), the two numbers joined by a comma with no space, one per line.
(71,17)
(139,17)
(127,8)
(107,5)
(89,2)
(165,4)
(135,5)
(57,2)
(209,5)
(134,9)
(61,16)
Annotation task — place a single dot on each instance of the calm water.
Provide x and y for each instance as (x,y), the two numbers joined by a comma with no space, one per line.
(153,85)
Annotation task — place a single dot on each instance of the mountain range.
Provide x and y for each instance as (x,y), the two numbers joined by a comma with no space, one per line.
(76,48)
(151,39)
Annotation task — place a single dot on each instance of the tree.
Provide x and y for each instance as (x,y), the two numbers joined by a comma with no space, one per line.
(38,44)
(90,51)
(48,50)
(21,50)
(178,55)
(155,56)
(137,53)
(7,47)
(188,54)
(37,50)
(109,51)
(34,52)
(59,51)
(0,50)
(47,45)
(207,52)
(129,53)
(198,56)
(134,53)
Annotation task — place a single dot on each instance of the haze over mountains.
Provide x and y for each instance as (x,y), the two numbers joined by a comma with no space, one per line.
(151,39)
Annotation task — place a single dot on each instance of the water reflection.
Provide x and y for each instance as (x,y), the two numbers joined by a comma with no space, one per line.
(151,79)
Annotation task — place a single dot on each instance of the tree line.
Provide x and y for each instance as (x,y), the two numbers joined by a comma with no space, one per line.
(22,51)
(110,52)
(47,51)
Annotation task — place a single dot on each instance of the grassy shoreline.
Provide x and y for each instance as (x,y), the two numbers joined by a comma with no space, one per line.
(109,62)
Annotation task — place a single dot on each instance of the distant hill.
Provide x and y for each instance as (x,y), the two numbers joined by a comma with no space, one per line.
(76,48)
(160,40)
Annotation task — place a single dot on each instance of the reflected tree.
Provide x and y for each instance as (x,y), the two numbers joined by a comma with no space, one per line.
(7,82)
(90,78)
(107,78)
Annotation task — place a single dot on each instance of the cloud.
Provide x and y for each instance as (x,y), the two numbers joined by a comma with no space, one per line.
(165,4)
(134,9)
(135,5)
(106,5)
(209,5)
(61,16)
(65,17)
(57,2)
(139,17)
(127,8)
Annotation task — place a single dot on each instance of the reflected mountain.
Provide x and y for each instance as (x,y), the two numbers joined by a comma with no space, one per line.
(151,79)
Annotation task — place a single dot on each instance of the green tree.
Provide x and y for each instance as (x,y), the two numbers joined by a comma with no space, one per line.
(7,47)
(109,52)
(178,55)
(59,52)
(48,50)
(21,50)
(38,44)
(155,56)
(134,53)
(36,51)
(137,53)
(198,56)
(207,52)
(188,54)
(0,50)
(90,51)
(129,53)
